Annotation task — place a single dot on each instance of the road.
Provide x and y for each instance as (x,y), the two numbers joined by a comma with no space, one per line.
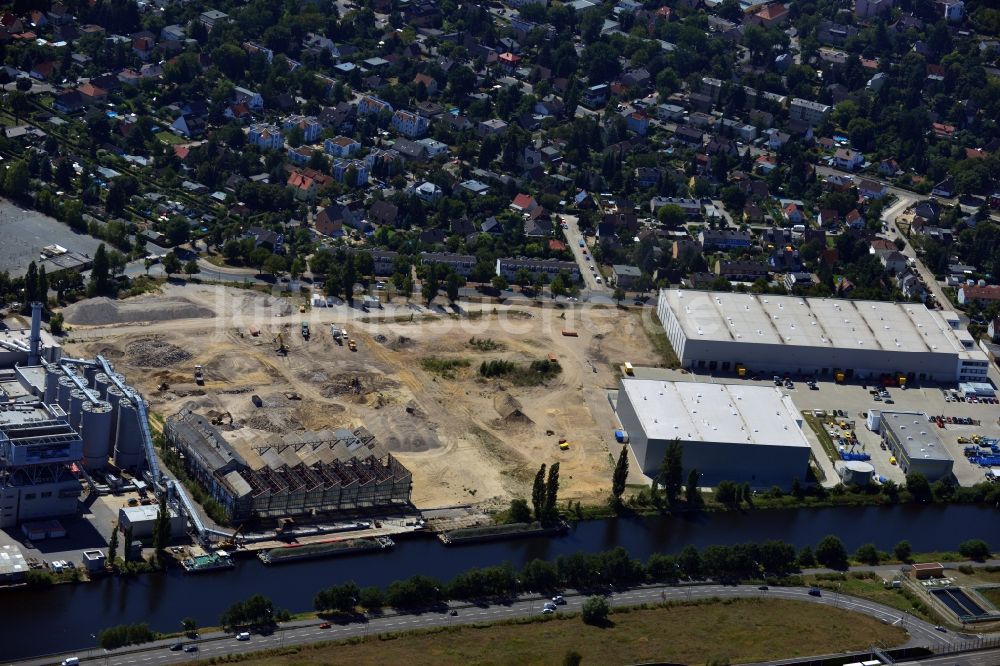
(573,238)
(302,632)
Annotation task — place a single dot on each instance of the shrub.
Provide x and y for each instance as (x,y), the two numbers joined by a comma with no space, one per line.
(974,549)
(596,610)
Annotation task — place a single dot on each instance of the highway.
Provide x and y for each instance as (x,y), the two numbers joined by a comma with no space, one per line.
(303,632)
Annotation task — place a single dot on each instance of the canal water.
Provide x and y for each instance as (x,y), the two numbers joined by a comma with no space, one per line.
(64,617)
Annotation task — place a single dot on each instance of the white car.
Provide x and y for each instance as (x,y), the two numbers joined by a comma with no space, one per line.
(243,636)
(547,611)
(558,600)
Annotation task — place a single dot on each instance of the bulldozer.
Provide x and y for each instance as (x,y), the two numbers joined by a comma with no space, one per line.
(279,344)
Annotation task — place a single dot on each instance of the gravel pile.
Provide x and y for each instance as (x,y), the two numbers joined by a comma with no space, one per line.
(154,353)
(102,311)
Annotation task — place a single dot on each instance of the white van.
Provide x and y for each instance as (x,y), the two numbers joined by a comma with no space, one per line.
(243,636)
(71,661)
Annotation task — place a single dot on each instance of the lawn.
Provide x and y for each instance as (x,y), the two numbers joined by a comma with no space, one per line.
(992,594)
(170,138)
(661,344)
(734,630)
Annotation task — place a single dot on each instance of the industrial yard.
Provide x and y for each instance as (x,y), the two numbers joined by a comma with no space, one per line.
(413,381)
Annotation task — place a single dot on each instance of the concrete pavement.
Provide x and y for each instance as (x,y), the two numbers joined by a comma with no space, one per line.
(309,631)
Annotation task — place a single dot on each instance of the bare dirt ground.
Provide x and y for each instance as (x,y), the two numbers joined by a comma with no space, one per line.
(467,439)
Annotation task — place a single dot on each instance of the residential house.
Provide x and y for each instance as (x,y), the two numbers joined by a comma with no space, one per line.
(384,213)
(854,219)
(188,125)
(369,104)
(310,126)
(770,16)
(872,8)
(430,84)
(595,96)
(330,220)
(460,264)
(784,258)
(690,207)
(808,111)
(724,239)
(870,189)
(888,167)
(173,33)
(271,240)
(249,97)
(491,127)
(981,295)
(626,277)
(300,155)
(341,146)
(793,213)
(91,94)
(524,203)
(342,167)
(692,136)
(410,150)
(945,189)
(409,124)
(212,18)
(637,122)
(491,226)
(266,136)
(910,284)
(508,268)
(952,10)
(433,147)
(848,159)
(475,187)
(740,270)
(894,261)
(993,329)
(68,101)
(428,192)
(647,176)
(685,248)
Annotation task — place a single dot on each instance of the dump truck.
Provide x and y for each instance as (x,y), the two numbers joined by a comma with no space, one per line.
(199,375)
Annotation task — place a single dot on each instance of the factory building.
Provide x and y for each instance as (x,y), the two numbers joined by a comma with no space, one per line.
(818,336)
(292,474)
(59,420)
(915,444)
(142,519)
(732,432)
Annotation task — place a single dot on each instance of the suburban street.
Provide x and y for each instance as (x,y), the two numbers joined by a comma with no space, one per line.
(297,633)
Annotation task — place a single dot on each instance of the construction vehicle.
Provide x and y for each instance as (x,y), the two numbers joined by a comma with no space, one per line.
(199,375)
(279,344)
(352,345)
(563,445)
(305,330)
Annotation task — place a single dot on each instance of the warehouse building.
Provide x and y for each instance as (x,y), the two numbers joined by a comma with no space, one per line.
(817,336)
(292,474)
(915,444)
(142,520)
(733,432)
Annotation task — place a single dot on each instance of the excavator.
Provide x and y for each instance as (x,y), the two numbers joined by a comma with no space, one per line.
(279,344)
(232,542)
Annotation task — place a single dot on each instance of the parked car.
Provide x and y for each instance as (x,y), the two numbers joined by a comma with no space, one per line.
(558,600)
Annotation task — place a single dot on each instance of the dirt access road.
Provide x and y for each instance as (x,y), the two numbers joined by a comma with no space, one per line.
(466,438)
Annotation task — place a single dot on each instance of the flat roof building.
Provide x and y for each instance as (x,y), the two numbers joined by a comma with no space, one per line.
(730,432)
(142,518)
(915,444)
(717,330)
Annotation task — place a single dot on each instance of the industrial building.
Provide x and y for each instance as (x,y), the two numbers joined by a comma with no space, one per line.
(732,432)
(915,444)
(293,474)
(142,519)
(60,420)
(818,336)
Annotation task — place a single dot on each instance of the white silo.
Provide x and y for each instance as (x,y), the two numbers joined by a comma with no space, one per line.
(113,397)
(96,427)
(76,400)
(100,385)
(66,386)
(128,441)
(52,374)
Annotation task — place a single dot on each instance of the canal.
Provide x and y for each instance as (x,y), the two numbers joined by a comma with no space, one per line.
(64,617)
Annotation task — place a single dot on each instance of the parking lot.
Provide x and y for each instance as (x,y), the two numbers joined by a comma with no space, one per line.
(26,232)
(855,400)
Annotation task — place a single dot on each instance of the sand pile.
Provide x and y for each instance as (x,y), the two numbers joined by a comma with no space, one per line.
(154,353)
(251,305)
(403,429)
(101,311)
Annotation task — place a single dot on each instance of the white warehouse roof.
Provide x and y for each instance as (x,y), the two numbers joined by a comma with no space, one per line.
(725,413)
(813,322)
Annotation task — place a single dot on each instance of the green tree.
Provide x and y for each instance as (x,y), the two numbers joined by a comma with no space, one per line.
(619,295)
(974,549)
(191,267)
(100,273)
(430,286)
(671,215)
(519,511)
(42,290)
(275,265)
(902,551)
(538,494)
(171,264)
(371,599)
(596,610)
(30,287)
(918,487)
(692,495)
(127,547)
(806,558)
(189,625)
(113,547)
(56,323)
(671,475)
(867,554)
(552,493)
(161,528)
(452,285)
(619,477)
(728,493)
(830,553)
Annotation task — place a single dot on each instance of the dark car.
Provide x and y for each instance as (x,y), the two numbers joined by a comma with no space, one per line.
(190,648)
(762,587)
(814,591)
(176,647)
(453,612)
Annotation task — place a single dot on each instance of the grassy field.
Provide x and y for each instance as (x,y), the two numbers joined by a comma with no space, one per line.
(658,338)
(737,630)
(992,594)
(170,138)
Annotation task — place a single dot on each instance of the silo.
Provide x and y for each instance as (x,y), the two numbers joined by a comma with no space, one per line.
(66,385)
(76,400)
(128,441)
(113,397)
(101,383)
(52,374)
(89,372)
(856,472)
(96,426)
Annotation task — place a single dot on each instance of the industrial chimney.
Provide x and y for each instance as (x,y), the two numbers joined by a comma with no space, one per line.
(34,355)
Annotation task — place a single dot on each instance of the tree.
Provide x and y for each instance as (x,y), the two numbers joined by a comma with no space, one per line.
(189,625)
(692,495)
(538,494)
(42,289)
(171,264)
(275,265)
(552,492)
(127,549)
(451,286)
(727,492)
(595,610)
(100,280)
(30,286)
(17,180)
(113,547)
(672,470)
(161,527)
(619,477)
(23,83)
(519,511)
(572,658)
(430,286)
(619,295)
(499,283)
(830,553)
(974,549)
(671,215)
(371,599)
(191,267)
(806,558)
(867,554)
(902,551)
(56,323)
(919,487)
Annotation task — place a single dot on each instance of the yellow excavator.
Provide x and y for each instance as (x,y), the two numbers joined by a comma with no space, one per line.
(279,344)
